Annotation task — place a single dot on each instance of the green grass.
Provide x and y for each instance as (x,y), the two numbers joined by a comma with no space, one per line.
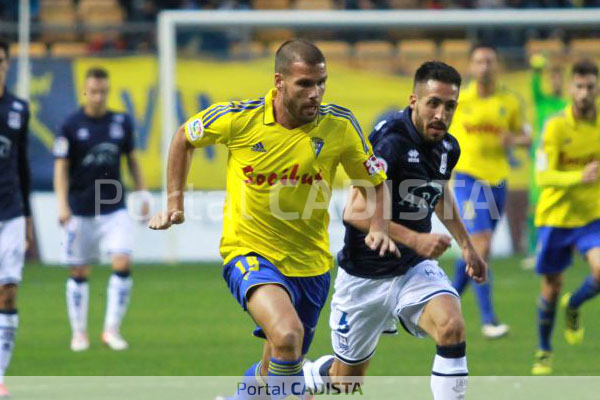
(183,321)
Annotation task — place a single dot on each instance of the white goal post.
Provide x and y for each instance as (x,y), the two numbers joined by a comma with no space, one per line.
(169,21)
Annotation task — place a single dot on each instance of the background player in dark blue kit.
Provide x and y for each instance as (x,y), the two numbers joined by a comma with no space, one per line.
(373,294)
(87,181)
(15,212)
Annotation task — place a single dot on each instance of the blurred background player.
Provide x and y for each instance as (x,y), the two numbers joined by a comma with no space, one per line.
(282,146)
(568,213)
(91,206)
(546,103)
(488,124)
(15,211)
(373,293)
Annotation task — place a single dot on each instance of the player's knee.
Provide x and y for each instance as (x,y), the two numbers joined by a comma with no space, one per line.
(451,330)
(553,285)
(121,263)
(8,296)
(287,339)
(79,272)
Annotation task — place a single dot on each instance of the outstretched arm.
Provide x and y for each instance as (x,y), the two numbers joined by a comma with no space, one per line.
(178,166)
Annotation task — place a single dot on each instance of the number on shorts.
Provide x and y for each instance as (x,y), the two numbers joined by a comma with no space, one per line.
(252,264)
(343,325)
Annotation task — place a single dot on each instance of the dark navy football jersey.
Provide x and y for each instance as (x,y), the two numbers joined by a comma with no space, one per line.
(418,172)
(14,166)
(94,147)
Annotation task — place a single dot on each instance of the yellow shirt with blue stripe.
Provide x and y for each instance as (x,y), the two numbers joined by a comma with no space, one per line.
(479,125)
(279,180)
(567,145)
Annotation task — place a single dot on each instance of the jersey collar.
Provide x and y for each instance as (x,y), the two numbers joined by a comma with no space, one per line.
(269,113)
(571,117)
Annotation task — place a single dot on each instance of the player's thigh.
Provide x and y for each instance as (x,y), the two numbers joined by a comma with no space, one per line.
(116,230)
(588,244)
(421,285)
(79,242)
(361,310)
(12,250)
(442,320)
(555,250)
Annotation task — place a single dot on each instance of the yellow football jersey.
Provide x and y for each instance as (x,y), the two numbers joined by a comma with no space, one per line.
(479,124)
(567,145)
(279,180)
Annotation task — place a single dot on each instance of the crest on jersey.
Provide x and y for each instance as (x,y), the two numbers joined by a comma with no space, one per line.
(14,120)
(83,134)
(195,129)
(115,131)
(317,145)
(17,106)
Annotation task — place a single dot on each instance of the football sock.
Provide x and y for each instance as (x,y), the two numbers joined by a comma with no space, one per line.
(78,294)
(9,321)
(117,300)
(461,279)
(546,314)
(286,380)
(588,289)
(484,299)
(449,374)
(253,385)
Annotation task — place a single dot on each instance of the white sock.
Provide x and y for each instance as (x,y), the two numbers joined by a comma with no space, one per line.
(8,327)
(117,301)
(449,378)
(78,296)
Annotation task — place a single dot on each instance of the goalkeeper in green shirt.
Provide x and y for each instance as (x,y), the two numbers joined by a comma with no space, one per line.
(546,104)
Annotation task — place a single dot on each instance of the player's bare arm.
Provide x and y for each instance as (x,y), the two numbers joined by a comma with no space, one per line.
(447,212)
(61,188)
(138,179)
(518,139)
(429,245)
(178,166)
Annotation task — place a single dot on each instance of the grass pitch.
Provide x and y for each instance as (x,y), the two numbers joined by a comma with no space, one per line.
(183,321)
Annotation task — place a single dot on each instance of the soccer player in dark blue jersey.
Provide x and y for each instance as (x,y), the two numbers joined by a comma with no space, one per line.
(373,294)
(15,212)
(91,205)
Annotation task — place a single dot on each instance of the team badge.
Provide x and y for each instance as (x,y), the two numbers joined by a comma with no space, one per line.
(83,134)
(14,120)
(115,131)
(372,165)
(317,145)
(195,129)
(17,106)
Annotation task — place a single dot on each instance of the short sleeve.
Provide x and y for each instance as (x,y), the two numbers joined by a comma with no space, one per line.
(210,126)
(129,127)
(358,159)
(384,149)
(62,143)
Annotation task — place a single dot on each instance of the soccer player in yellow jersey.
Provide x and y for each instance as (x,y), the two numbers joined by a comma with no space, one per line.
(487,125)
(568,212)
(283,153)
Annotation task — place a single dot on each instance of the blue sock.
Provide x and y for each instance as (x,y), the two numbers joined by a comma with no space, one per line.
(286,379)
(588,289)
(253,385)
(461,279)
(484,298)
(546,314)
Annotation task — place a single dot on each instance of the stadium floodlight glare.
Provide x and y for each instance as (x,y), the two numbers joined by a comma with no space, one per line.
(169,21)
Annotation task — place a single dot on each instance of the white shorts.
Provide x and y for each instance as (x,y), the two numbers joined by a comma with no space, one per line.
(12,250)
(362,309)
(83,238)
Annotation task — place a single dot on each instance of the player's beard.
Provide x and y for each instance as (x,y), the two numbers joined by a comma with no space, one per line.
(294,109)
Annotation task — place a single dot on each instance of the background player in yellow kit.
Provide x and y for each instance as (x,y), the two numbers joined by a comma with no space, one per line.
(283,153)
(487,124)
(568,212)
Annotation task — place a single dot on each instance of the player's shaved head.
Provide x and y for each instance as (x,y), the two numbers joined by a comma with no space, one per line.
(297,50)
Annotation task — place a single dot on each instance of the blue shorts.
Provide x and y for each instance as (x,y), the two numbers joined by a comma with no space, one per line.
(480,204)
(308,294)
(555,246)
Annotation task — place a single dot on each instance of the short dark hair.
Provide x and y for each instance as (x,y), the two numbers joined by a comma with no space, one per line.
(96,72)
(585,67)
(4,46)
(482,45)
(437,71)
(295,50)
